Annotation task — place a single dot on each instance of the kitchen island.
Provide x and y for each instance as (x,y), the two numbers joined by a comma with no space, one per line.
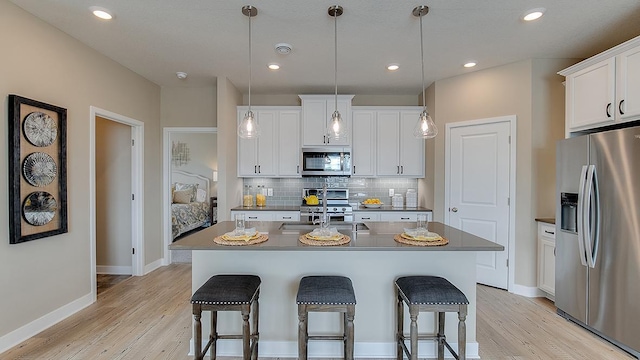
(373,260)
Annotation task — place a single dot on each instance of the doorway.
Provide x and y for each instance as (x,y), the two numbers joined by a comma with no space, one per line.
(202,163)
(116,196)
(480,190)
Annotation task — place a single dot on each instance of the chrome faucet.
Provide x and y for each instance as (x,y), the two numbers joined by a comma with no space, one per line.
(323,218)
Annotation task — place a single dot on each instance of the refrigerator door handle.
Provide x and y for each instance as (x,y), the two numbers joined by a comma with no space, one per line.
(591,223)
(580,216)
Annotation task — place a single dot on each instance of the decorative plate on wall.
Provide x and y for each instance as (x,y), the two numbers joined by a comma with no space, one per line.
(40,129)
(39,169)
(39,208)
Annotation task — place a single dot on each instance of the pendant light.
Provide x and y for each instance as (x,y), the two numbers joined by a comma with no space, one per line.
(425,128)
(249,128)
(337,128)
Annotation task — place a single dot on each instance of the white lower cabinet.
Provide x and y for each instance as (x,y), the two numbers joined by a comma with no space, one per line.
(396,216)
(259,215)
(547,258)
(266,215)
(287,216)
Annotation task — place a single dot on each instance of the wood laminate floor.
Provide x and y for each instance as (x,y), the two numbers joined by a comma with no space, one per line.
(149,317)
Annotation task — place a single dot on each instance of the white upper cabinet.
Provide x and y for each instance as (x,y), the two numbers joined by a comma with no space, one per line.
(628,85)
(257,157)
(276,152)
(289,143)
(398,152)
(591,96)
(363,149)
(603,90)
(316,114)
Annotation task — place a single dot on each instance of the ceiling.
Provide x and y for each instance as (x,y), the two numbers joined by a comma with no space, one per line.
(209,38)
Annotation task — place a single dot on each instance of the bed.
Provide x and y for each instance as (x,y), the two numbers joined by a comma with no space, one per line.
(190,207)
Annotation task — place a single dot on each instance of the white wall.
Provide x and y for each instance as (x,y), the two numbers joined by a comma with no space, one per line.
(204,155)
(113,197)
(42,63)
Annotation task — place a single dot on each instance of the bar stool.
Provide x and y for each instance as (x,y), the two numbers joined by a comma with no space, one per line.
(326,294)
(433,294)
(227,293)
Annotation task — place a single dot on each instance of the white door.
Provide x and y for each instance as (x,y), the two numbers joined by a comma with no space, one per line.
(478,178)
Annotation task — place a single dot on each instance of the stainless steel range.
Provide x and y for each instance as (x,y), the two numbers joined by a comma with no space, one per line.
(338,206)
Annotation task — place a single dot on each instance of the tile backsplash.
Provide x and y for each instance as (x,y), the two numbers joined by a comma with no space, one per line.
(288,192)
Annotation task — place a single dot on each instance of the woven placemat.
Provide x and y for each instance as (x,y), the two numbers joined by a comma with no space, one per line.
(260,239)
(438,242)
(344,239)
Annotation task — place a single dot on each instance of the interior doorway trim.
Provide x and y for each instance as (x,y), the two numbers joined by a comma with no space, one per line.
(166,180)
(137,189)
(511,119)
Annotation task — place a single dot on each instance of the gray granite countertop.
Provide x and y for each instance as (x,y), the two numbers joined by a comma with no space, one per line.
(378,237)
(551,221)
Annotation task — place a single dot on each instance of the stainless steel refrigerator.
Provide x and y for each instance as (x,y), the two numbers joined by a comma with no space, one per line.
(598,234)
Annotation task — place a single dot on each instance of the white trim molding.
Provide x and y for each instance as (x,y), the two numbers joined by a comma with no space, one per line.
(113,270)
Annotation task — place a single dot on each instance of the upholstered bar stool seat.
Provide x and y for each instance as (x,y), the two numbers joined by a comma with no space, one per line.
(228,293)
(432,294)
(326,294)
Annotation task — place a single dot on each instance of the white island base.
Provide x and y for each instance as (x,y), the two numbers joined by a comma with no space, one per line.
(372,274)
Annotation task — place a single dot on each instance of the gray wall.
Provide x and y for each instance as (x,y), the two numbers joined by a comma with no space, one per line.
(531,91)
(113,196)
(72,76)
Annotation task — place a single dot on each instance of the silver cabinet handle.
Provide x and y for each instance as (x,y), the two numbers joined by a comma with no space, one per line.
(398,169)
(354,169)
(401,169)
(455,209)
(255,169)
(297,169)
(259,169)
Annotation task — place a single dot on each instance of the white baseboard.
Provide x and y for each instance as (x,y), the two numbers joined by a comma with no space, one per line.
(154,265)
(114,270)
(333,349)
(528,291)
(31,329)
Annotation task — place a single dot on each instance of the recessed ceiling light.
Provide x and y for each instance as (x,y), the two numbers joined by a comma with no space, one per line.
(101,12)
(533,14)
(470,64)
(273,66)
(393,67)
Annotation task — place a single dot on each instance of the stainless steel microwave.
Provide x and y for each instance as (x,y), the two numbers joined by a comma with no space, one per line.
(326,161)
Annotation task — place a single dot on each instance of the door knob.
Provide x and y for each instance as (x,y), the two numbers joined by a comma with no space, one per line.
(455,209)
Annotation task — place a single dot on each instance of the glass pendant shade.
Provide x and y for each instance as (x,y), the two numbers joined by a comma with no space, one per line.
(425,127)
(249,128)
(337,129)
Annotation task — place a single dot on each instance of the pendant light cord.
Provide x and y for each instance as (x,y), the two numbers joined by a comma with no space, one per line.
(335,60)
(424,101)
(250,59)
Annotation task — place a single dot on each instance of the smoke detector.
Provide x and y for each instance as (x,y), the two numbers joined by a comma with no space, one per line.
(181,75)
(283,48)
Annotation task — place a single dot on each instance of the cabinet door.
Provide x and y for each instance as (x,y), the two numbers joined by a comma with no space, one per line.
(591,96)
(363,143)
(387,149)
(267,143)
(289,144)
(247,152)
(546,265)
(344,107)
(411,149)
(628,85)
(314,122)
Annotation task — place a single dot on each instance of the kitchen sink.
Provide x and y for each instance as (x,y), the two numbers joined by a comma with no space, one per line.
(307,226)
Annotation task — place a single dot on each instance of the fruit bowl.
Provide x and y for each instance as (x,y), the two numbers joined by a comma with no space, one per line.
(372,206)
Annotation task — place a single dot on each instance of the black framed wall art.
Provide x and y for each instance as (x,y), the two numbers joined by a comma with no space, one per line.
(37,169)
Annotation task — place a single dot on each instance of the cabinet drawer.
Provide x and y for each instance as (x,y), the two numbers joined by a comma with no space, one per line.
(547,230)
(255,215)
(366,216)
(398,216)
(287,216)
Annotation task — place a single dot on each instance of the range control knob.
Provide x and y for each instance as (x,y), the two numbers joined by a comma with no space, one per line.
(335,209)
(344,209)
